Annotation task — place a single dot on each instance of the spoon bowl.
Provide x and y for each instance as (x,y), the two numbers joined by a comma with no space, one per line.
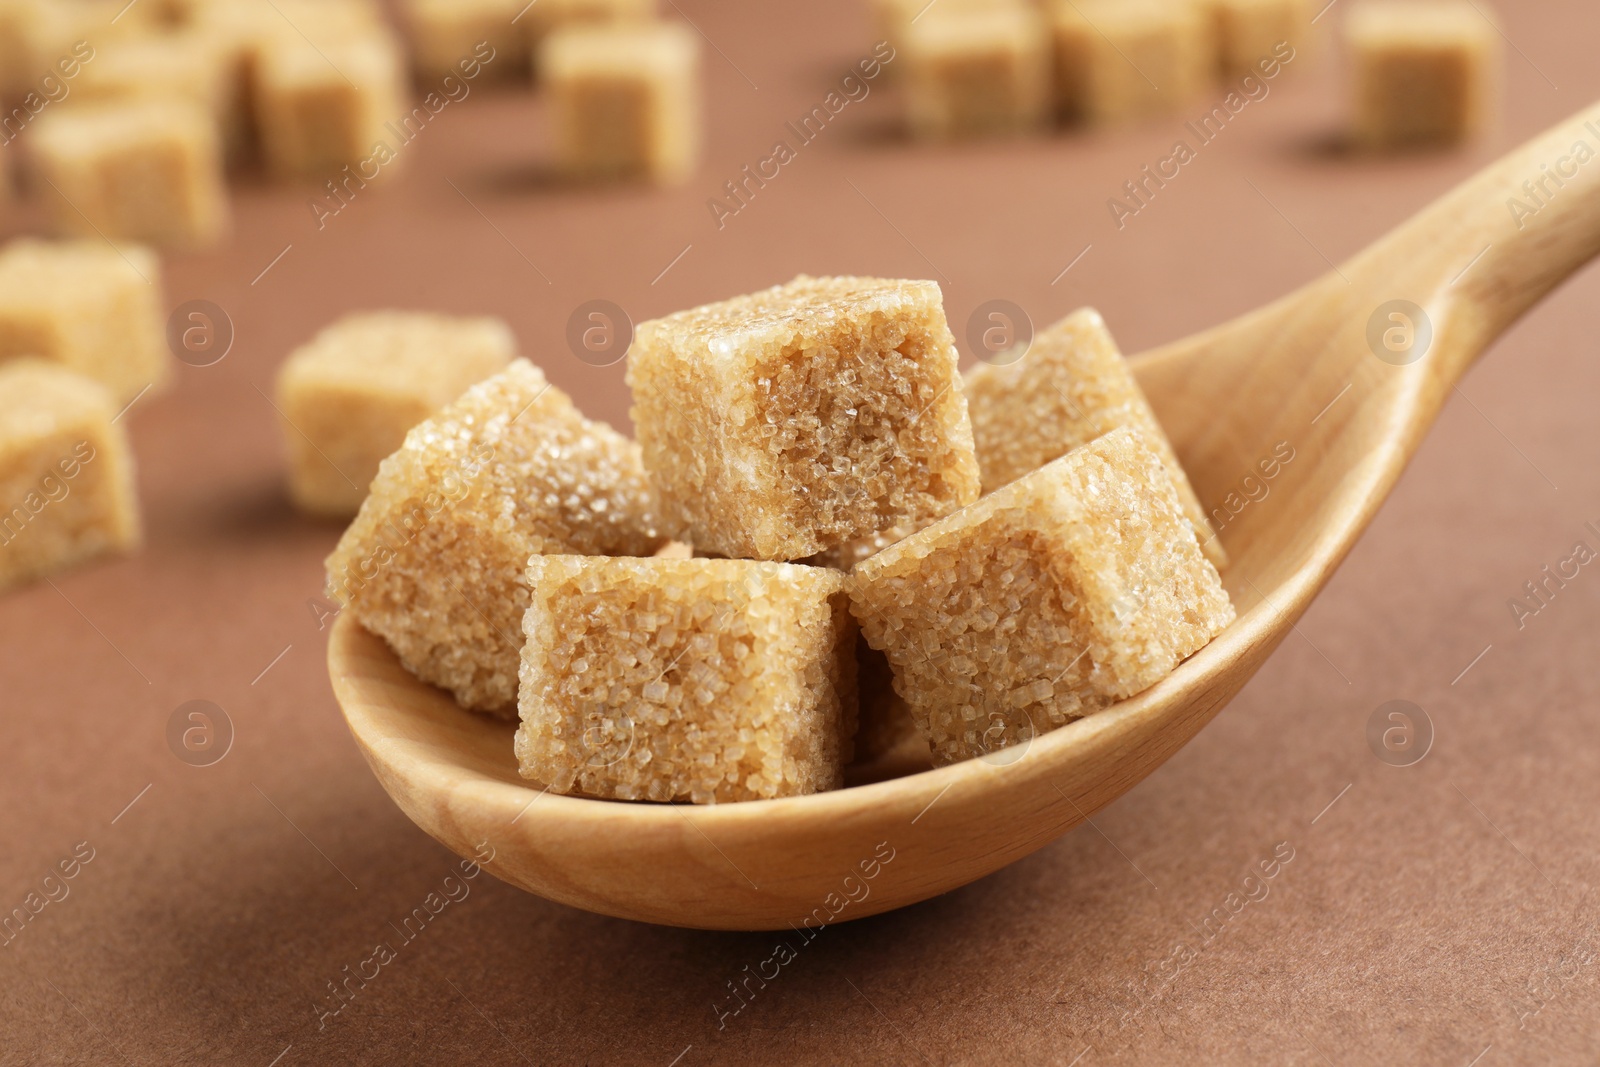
(1330,388)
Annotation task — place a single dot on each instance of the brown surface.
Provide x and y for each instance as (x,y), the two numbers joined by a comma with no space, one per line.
(1425,916)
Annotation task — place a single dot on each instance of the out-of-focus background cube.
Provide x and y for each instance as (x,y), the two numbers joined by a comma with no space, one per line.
(242,862)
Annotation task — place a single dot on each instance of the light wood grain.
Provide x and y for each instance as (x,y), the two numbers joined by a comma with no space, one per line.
(1299,371)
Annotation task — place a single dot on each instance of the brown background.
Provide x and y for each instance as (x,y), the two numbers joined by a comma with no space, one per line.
(1424,916)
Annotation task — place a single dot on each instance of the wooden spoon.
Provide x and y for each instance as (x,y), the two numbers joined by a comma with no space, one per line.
(1303,373)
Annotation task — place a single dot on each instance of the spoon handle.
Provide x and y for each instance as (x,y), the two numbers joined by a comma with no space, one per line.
(1491,248)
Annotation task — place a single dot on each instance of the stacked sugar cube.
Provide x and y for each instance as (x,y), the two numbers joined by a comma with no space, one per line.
(840,417)
(1068,386)
(810,450)
(435,559)
(1073,587)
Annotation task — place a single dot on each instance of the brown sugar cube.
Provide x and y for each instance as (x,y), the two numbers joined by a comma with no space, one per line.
(103,19)
(1074,587)
(893,18)
(321,108)
(66,473)
(434,563)
(445,33)
(22,97)
(556,14)
(625,100)
(91,307)
(547,16)
(186,64)
(181,66)
(1066,388)
(36,36)
(1124,60)
(139,170)
(976,71)
(348,397)
(1425,71)
(1250,33)
(322,22)
(707,680)
(803,418)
